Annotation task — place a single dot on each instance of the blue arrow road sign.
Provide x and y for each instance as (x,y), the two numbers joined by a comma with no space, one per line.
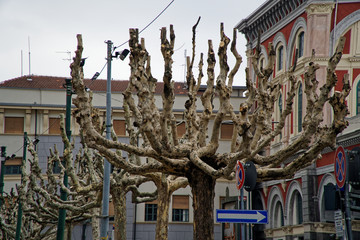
(242,216)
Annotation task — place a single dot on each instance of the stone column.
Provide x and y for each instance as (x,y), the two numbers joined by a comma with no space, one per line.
(318,38)
(318,28)
(309,201)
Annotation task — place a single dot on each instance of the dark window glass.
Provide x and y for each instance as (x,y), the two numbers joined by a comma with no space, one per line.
(300,109)
(150,212)
(12,170)
(280,111)
(301,44)
(180,215)
(299,208)
(56,168)
(280,57)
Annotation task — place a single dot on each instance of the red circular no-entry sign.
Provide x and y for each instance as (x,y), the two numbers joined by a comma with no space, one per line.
(240,175)
(340,167)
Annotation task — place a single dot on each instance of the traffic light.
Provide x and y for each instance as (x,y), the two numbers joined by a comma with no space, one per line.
(354,167)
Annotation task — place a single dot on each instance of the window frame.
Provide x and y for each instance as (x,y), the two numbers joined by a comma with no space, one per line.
(280,58)
(300,43)
(150,212)
(180,208)
(12,166)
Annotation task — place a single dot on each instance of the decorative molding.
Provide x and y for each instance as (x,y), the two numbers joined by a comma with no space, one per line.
(320,8)
(299,23)
(270,18)
(265,190)
(341,27)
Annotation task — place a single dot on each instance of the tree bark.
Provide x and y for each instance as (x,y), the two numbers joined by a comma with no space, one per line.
(120,215)
(203,191)
(163,212)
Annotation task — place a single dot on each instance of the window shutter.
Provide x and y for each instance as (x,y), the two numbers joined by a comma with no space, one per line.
(180,202)
(54,126)
(226,131)
(119,127)
(14,125)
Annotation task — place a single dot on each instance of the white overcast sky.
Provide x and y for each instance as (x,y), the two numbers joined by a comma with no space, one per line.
(52,26)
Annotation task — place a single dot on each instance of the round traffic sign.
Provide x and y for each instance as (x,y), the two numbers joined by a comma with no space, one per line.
(340,167)
(240,175)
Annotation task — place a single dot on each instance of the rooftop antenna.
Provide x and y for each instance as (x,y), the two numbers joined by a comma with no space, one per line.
(69,54)
(29,78)
(22,60)
(185,86)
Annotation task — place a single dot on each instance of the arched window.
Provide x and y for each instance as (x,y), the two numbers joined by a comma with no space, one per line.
(279,215)
(296,211)
(300,108)
(280,110)
(358,98)
(300,43)
(280,58)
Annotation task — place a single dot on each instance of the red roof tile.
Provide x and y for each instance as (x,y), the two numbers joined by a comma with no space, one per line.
(56,83)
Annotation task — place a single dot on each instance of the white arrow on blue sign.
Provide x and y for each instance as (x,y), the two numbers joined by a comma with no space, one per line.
(242,216)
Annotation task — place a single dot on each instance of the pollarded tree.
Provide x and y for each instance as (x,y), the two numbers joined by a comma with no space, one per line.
(195,156)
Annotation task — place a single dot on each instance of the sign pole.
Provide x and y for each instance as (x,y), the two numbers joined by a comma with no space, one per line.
(242,208)
(238,228)
(347,203)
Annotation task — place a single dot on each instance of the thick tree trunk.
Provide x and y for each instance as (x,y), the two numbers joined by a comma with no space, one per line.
(95,225)
(163,212)
(119,201)
(203,191)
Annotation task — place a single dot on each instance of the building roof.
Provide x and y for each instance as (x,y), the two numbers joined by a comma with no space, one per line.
(99,85)
(270,17)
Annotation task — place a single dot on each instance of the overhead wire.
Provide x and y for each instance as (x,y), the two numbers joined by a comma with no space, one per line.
(151,22)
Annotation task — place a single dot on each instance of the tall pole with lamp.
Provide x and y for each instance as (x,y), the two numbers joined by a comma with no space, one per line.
(104,224)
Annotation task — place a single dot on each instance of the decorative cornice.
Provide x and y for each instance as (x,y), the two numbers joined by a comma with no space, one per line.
(269,18)
(319,8)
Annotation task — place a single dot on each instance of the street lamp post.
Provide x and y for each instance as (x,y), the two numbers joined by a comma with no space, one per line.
(104,224)
(63,196)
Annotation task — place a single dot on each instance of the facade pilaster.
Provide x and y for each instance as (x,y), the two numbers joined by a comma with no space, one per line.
(2,120)
(28,121)
(45,122)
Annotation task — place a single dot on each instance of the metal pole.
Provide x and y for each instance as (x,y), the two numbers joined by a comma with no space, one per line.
(2,171)
(242,208)
(19,216)
(249,204)
(347,202)
(63,196)
(104,224)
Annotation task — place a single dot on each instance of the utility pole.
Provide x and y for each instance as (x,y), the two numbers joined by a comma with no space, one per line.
(63,196)
(19,216)
(104,224)
(2,172)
